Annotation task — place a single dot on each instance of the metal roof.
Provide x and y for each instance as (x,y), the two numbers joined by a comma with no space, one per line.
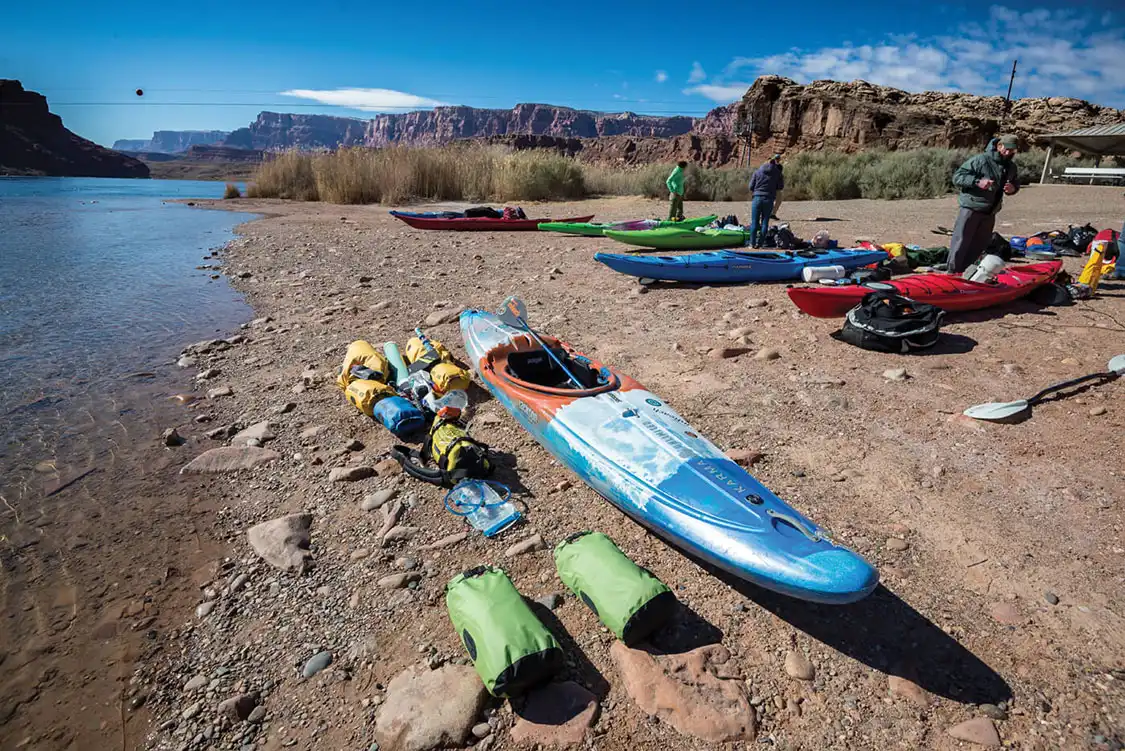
(1102,140)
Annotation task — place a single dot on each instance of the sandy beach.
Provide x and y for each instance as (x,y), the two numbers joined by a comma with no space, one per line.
(1000,547)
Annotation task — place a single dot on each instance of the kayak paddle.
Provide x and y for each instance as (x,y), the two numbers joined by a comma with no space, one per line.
(1008,410)
(514,313)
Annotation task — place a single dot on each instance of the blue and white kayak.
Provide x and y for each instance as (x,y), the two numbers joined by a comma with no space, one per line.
(638,453)
(731,266)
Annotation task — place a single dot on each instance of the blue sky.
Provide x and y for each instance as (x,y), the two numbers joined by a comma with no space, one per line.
(211,65)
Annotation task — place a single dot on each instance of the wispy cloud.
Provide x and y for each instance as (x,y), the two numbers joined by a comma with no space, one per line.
(370,100)
(1060,52)
(661,76)
(697,74)
(723,93)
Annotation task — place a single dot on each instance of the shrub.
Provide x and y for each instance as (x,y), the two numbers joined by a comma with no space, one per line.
(232,191)
(287,175)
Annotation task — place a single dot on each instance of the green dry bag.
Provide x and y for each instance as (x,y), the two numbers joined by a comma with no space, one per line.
(630,601)
(510,648)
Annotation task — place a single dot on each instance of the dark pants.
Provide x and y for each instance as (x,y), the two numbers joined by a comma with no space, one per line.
(760,209)
(971,235)
(676,210)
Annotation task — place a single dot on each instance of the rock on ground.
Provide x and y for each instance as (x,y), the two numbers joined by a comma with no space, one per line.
(798,666)
(350,474)
(238,708)
(978,730)
(535,542)
(685,691)
(262,431)
(229,459)
(557,714)
(283,543)
(426,709)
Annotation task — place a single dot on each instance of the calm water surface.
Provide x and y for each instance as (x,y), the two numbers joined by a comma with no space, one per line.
(98,283)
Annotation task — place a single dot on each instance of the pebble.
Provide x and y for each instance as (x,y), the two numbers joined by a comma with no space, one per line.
(192,711)
(195,683)
(768,353)
(550,601)
(221,391)
(284,409)
(1098,411)
(171,438)
(1006,613)
(316,663)
(406,563)
(978,730)
(360,554)
(239,582)
(378,499)
(1051,598)
(896,374)
(388,468)
(1011,368)
(726,353)
(563,486)
(535,542)
(745,457)
(482,730)
(354,445)
(204,609)
(896,544)
(351,474)
(398,581)
(993,711)
(798,666)
(757,302)
(257,715)
(447,542)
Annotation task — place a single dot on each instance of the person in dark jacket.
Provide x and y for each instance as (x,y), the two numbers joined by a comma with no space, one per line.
(764,184)
(984,180)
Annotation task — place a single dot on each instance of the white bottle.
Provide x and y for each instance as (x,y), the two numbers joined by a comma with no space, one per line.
(816,273)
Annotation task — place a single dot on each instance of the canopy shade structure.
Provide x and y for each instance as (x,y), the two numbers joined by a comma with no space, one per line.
(1098,141)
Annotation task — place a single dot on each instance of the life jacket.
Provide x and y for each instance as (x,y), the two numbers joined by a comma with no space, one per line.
(454,454)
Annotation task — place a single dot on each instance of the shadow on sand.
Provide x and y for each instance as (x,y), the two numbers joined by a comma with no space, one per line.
(886,634)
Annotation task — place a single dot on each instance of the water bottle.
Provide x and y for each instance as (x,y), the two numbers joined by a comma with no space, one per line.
(418,386)
(486,510)
(816,273)
(456,398)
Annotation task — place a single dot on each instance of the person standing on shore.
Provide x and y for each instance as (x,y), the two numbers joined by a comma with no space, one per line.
(766,181)
(675,183)
(984,180)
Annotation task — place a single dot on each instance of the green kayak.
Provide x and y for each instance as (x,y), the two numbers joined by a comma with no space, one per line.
(676,238)
(595,229)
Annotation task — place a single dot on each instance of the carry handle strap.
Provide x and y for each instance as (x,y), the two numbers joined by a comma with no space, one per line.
(412,465)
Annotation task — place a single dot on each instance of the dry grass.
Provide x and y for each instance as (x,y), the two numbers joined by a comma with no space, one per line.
(232,191)
(459,172)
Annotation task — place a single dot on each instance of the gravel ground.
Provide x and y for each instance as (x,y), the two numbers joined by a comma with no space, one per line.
(1000,546)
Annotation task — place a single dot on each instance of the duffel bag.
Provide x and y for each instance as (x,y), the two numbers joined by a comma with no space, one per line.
(886,322)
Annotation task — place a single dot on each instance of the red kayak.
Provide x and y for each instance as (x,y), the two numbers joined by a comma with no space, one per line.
(948,292)
(476,224)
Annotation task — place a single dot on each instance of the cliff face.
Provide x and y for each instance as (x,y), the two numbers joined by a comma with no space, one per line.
(830,115)
(273,131)
(34,142)
(172,141)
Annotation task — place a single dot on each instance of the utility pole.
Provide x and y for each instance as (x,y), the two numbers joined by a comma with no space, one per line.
(1008,97)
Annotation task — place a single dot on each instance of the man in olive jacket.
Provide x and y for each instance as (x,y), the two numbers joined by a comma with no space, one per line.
(984,180)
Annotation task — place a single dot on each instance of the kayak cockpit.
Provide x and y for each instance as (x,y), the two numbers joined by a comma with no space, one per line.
(522,362)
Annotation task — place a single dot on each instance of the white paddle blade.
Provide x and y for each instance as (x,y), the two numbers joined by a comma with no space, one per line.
(512,310)
(996,410)
(1117,365)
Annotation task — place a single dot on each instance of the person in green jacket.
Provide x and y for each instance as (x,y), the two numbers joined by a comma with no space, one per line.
(984,180)
(675,183)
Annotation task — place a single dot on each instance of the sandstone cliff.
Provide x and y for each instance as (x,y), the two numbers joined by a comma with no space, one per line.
(34,142)
(172,141)
(784,115)
(275,131)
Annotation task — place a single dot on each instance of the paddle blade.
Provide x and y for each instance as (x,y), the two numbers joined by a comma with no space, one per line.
(1117,365)
(513,312)
(997,410)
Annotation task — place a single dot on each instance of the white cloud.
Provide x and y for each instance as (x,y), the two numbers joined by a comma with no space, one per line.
(661,76)
(725,93)
(697,74)
(370,100)
(1061,53)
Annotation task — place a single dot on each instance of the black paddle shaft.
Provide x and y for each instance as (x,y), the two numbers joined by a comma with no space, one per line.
(1067,384)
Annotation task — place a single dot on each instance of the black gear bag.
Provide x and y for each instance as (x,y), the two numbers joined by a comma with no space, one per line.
(886,322)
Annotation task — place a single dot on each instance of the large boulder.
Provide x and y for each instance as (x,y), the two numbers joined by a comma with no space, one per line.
(426,709)
(283,543)
(694,692)
(229,459)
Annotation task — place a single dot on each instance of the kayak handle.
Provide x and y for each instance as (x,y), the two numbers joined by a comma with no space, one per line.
(796,524)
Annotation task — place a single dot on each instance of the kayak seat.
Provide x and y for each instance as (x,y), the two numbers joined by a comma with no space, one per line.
(524,363)
(537,367)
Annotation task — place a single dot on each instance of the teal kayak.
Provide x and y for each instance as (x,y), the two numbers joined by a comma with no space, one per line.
(676,238)
(595,229)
